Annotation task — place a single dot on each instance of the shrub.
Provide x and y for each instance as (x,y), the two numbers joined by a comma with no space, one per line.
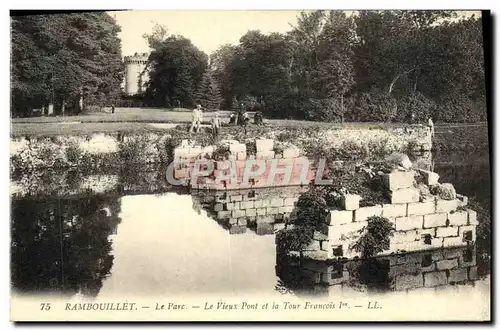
(221,153)
(279,147)
(375,237)
(250,103)
(417,104)
(444,191)
(251,147)
(373,106)
(73,154)
(379,148)
(294,239)
(458,107)
(311,209)
(291,105)
(132,150)
(325,110)
(350,150)
(288,135)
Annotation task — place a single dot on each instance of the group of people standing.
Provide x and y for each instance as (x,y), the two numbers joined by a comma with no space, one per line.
(240,118)
(197,118)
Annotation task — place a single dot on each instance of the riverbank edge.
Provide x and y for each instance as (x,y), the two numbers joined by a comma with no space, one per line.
(105,151)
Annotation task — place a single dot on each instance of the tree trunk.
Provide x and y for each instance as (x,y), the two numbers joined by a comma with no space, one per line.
(342,108)
(391,86)
(290,70)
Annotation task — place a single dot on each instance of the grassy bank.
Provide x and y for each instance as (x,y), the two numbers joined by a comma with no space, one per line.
(449,136)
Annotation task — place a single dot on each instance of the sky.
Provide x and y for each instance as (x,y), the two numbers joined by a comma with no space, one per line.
(207,29)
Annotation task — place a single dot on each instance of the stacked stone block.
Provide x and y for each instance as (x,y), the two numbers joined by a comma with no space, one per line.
(420,221)
(185,157)
(404,271)
(264,209)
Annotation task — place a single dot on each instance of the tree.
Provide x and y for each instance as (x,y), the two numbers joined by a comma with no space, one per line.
(208,94)
(221,64)
(327,63)
(396,48)
(177,67)
(61,58)
(235,105)
(69,240)
(260,67)
(156,38)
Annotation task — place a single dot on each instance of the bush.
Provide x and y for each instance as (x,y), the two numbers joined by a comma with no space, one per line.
(375,237)
(458,107)
(289,106)
(350,150)
(373,106)
(417,104)
(250,103)
(294,239)
(311,209)
(444,191)
(221,153)
(251,147)
(73,154)
(132,151)
(324,110)
(379,148)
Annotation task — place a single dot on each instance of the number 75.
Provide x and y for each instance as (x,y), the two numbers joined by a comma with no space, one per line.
(45,306)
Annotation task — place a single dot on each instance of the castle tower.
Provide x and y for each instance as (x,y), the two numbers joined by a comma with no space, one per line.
(136,74)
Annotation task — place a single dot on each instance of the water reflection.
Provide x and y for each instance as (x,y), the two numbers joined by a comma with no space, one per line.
(110,234)
(62,245)
(391,273)
(147,179)
(264,210)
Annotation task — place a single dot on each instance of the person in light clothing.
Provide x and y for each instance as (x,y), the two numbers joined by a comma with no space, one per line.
(216,125)
(197,117)
(431,126)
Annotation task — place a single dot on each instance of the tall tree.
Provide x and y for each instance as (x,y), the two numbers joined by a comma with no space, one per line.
(394,47)
(333,74)
(61,58)
(305,38)
(176,70)
(221,64)
(208,94)
(156,38)
(261,65)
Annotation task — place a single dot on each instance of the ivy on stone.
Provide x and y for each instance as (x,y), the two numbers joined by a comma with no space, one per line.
(375,237)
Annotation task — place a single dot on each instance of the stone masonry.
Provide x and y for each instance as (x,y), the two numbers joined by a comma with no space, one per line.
(263,209)
(236,159)
(401,272)
(421,221)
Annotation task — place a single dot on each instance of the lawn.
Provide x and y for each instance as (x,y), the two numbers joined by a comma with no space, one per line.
(448,135)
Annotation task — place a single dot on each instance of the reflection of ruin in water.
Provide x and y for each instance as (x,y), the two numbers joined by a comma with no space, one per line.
(264,210)
(389,273)
(88,219)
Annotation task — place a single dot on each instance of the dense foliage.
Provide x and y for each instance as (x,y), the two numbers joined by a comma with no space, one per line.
(384,66)
(176,70)
(68,60)
(375,237)
(208,94)
(394,66)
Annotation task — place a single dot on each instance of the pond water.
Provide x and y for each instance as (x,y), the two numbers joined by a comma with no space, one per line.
(125,242)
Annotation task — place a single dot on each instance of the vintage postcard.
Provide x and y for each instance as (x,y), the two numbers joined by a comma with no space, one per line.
(318,165)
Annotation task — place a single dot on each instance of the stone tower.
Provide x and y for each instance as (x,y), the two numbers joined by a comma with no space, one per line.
(136,73)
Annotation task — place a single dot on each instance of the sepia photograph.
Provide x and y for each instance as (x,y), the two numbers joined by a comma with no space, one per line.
(250,165)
